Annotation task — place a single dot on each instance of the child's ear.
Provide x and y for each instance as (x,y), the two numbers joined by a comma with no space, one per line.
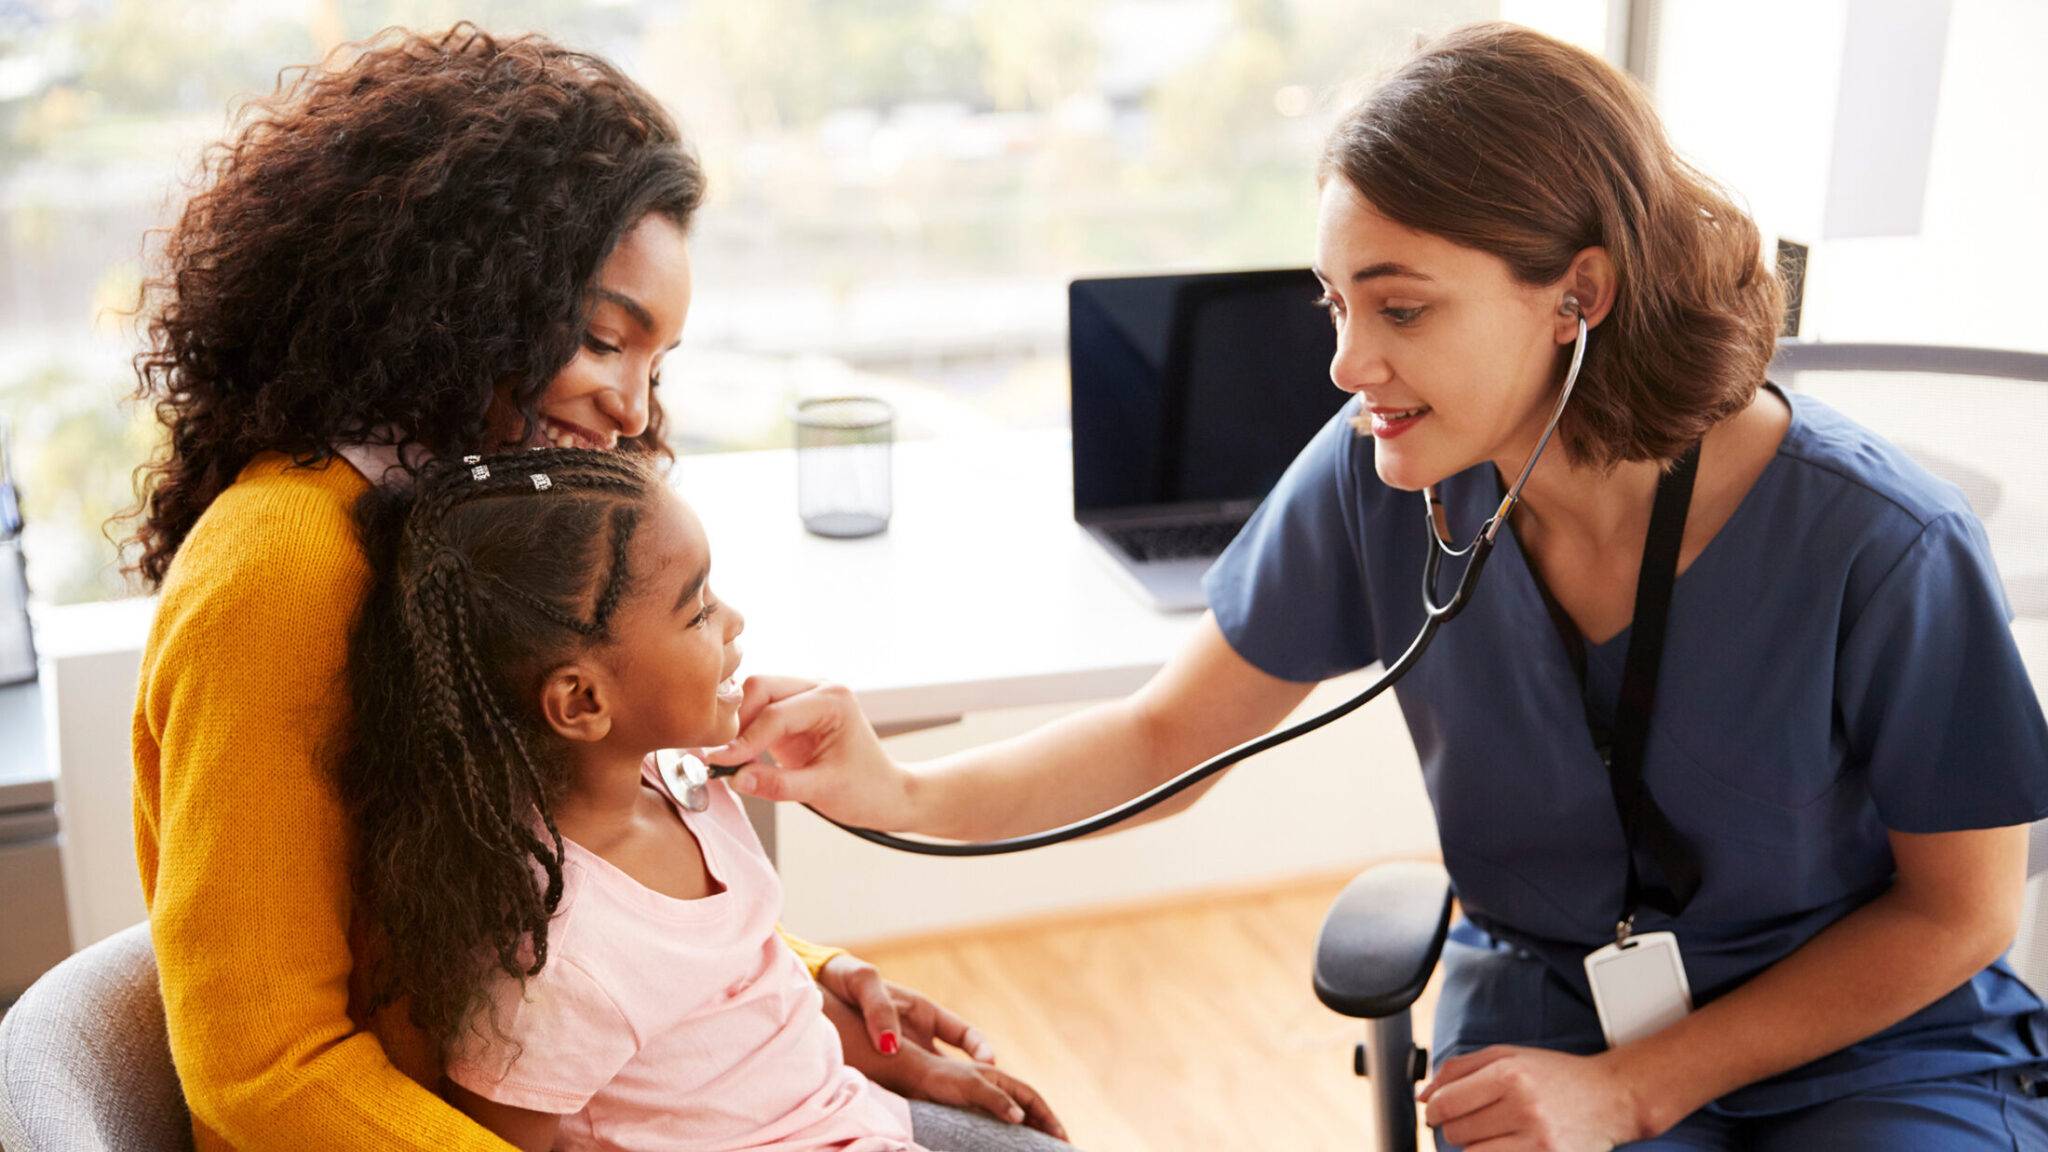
(575,704)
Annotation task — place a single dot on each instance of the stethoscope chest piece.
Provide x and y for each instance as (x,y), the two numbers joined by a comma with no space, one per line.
(688,780)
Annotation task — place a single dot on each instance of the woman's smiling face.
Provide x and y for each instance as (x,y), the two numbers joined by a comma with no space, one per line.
(638,303)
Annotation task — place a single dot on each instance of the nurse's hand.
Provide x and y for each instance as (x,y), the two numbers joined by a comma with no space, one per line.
(1509,1099)
(825,754)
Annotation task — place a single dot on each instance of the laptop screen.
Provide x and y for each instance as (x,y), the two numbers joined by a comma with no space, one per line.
(1194,389)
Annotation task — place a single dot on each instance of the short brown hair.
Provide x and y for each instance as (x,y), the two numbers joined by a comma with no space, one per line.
(1502,139)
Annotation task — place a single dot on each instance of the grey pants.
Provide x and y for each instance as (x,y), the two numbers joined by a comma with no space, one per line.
(944,1129)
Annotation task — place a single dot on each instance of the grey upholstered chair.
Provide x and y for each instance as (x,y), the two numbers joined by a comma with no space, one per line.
(1975,417)
(85,1065)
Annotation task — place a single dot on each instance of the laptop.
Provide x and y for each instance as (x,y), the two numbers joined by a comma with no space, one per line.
(1191,395)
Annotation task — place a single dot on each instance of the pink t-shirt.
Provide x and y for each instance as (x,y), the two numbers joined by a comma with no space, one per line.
(668,1024)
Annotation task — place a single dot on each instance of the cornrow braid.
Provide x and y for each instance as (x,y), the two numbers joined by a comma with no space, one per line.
(624,520)
(489,571)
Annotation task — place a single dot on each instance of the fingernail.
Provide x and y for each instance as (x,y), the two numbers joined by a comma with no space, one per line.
(888,1043)
(1016,1114)
(744,782)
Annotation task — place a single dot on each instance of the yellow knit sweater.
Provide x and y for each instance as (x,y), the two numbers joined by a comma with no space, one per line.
(242,842)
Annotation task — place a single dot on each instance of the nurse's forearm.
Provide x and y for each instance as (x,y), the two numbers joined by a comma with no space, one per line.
(1053,775)
(1205,700)
(1864,973)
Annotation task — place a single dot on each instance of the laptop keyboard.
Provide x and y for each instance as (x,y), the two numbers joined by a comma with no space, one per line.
(1175,541)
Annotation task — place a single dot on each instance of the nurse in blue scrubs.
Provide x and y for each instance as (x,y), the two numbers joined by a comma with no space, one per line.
(1843,750)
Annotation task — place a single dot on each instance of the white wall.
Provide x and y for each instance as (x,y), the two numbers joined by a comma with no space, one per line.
(1749,90)
(90,658)
(1975,273)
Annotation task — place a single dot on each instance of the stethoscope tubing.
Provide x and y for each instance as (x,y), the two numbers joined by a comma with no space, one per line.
(1436,615)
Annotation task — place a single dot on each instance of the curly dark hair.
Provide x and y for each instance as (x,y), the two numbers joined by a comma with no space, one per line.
(389,245)
(481,586)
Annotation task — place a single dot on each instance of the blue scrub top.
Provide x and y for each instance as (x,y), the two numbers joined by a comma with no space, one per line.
(1839,662)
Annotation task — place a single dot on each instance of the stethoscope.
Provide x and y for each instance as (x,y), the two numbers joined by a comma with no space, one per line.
(1437,614)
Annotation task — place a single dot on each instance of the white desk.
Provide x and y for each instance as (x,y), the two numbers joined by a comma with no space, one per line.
(982,594)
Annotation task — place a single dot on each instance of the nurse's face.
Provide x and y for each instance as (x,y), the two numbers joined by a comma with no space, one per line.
(1456,360)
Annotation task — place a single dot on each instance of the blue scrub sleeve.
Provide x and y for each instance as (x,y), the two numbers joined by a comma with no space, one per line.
(1289,592)
(1933,696)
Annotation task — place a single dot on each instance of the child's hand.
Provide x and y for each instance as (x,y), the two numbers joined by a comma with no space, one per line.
(922,1075)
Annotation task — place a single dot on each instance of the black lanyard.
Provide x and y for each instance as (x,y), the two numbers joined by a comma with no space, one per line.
(1643,824)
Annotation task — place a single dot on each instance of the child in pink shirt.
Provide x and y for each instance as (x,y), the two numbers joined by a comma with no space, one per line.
(588,928)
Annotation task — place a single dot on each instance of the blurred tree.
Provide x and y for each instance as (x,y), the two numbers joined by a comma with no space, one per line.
(1037,54)
(80,442)
(789,62)
(150,57)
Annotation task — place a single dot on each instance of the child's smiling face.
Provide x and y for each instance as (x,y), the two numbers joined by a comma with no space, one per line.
(666,677)
(673,658)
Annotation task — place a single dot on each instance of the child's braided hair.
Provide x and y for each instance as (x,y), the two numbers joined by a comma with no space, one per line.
(485,577)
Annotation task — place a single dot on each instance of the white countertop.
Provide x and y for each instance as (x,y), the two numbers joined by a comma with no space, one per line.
(983,593)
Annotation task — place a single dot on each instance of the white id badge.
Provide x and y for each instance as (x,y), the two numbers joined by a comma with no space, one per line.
(1638,986)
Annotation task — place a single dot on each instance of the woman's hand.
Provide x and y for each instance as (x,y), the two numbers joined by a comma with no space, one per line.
(893,1013)
(870,1013)
(1509,1099)
(824,752)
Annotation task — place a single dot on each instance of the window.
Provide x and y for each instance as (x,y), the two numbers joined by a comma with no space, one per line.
(900,191)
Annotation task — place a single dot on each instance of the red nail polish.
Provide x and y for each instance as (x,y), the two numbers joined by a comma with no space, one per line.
(888,1043)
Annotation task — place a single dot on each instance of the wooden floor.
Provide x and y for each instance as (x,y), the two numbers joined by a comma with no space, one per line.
(1178,1027)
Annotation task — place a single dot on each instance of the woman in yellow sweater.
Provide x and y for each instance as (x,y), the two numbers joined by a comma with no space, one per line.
(445,242)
